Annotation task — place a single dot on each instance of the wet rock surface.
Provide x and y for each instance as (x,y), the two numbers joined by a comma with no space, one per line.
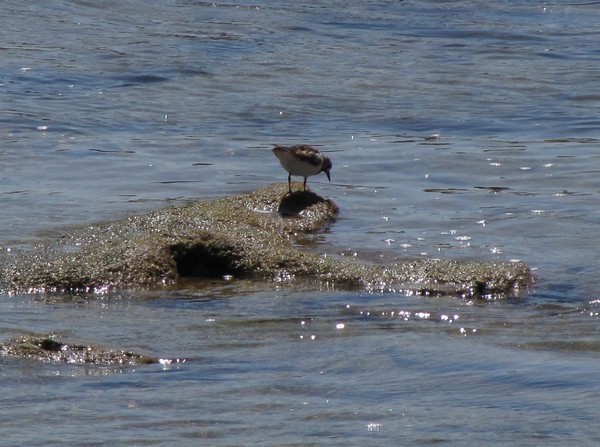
(48,348)
(246,236)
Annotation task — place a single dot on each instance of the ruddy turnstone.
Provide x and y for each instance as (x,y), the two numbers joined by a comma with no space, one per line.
(302,160)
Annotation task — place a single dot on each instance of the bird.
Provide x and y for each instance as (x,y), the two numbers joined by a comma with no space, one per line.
(302,160)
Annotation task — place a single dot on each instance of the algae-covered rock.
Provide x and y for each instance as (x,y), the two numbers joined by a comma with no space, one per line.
(48,348)
(242,236)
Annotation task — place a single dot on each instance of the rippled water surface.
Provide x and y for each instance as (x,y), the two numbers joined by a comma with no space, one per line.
(464,130)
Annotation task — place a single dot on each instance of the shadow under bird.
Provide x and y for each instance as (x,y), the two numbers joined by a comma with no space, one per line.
(302,160)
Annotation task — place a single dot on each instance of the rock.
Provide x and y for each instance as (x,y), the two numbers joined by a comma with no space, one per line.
(245,236)
(47,348)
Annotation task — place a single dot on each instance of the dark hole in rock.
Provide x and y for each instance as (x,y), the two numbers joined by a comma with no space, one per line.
(204,260)
(48,344)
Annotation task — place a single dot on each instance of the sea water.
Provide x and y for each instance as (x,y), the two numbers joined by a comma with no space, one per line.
(462,130)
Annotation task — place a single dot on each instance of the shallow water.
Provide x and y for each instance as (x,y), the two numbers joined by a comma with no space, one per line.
(457,130)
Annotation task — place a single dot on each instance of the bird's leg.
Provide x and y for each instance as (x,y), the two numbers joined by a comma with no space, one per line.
(290,183)
(305,183)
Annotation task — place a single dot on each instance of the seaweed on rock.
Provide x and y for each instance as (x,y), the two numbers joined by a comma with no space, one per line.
(243,236)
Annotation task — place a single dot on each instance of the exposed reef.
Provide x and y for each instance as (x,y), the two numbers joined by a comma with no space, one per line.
(48,348)
(247,236)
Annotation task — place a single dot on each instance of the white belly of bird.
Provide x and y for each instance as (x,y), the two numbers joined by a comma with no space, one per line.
(295,167)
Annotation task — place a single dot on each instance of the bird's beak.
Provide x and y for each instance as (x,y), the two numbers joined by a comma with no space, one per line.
(328,176)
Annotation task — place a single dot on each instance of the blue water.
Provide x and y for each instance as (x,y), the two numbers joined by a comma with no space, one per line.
(464,130)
